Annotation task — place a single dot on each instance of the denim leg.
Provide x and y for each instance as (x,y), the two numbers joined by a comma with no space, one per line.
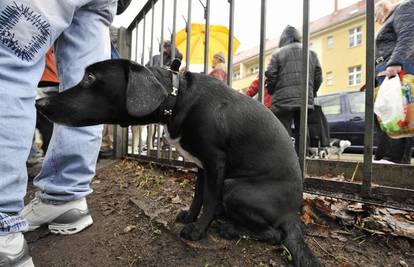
(25,35)
(70,161)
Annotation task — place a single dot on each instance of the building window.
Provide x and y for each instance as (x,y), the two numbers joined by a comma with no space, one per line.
(236,75)
(329,78)
(254,69)
(330,42)
(355,36)
(354,75)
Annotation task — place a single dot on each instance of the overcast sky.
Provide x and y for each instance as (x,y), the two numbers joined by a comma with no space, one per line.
(246,18)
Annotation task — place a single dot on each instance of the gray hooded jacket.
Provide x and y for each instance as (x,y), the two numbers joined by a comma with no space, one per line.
(284,73)
(395,40)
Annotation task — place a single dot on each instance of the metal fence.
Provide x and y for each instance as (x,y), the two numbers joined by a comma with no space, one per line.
(146,143)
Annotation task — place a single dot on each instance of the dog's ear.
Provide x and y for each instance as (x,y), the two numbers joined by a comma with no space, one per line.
(144,92)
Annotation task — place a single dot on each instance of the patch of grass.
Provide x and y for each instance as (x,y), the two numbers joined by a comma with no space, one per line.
(286,253)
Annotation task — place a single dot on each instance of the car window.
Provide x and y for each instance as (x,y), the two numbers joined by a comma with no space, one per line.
(331,104)
(357,102)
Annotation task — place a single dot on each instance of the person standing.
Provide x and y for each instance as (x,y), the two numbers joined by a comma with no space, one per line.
(79,30)
(394,53)
(284,77)
(254,89)
(219,67)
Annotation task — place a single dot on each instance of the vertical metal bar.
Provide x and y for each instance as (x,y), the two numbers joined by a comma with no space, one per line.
(142,63)
(136,60)
(188,28)
(150,127)
(369,98)
(262,49)
(152,34)
(207,36)
(136,41)
(305,85)
(143,40)
(230,55)
(174,29)
(161,64)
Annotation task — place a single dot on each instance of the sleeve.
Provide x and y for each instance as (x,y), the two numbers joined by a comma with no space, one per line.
(404,28)
(272,73)
(253,88)
(317,79)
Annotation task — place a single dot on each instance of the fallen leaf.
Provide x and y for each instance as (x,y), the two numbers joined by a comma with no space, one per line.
(176,200)
(129,228)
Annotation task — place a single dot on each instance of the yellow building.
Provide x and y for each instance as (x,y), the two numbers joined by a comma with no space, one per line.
(339,41)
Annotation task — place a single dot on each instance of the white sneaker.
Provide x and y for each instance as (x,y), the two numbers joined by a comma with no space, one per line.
(14,251)
(66,219)
(382,161)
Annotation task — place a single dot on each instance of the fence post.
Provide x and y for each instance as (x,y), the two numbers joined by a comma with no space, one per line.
(188,44)
(369,99)
(305,88)
(121,134)
(206,36)
(230,54)
(262,50)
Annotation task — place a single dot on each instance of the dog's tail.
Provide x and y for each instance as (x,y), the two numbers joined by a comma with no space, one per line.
(293,239)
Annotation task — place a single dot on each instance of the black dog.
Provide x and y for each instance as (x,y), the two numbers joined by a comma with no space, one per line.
(248,169)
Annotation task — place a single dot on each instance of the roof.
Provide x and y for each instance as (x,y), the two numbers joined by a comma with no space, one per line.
(254,51)
(337,17)
(315,26)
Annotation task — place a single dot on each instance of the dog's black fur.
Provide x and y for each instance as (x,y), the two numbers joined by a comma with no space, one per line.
(249,172)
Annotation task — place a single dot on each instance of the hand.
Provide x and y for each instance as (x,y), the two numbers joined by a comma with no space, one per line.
(392,71)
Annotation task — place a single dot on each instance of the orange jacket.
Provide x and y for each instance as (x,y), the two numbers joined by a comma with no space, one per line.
(49,76)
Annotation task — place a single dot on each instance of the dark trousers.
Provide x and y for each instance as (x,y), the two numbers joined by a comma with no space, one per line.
(291,118)
(395,150)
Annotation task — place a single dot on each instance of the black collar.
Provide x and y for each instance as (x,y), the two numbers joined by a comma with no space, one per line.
(167,109)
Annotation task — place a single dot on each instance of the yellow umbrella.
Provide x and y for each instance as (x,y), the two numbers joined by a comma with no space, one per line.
(219,42)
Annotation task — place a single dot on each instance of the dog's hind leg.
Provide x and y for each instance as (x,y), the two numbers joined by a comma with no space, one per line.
(228,230)
(189,216)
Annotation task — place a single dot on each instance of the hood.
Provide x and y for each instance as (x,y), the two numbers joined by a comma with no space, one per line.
(289,35)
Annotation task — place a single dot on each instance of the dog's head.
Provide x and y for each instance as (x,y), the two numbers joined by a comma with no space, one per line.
(111,92)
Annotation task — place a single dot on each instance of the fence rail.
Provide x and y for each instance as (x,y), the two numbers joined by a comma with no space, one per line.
(158,151)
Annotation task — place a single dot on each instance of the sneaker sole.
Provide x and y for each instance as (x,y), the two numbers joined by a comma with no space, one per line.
(73,228)
(26,263)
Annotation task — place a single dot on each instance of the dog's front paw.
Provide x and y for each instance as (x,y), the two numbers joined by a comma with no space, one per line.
(192,232)
(184,217)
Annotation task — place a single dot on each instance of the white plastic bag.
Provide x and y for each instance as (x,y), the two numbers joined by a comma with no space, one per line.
(389,105)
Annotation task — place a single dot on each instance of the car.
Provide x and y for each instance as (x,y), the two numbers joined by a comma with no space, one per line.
(345,113)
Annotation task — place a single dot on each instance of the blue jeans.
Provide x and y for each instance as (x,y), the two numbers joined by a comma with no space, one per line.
(79,29)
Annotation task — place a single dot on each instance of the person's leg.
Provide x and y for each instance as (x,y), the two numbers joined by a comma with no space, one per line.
(401,150)
(70,161)
(286,118)
(383,150)
(26,32)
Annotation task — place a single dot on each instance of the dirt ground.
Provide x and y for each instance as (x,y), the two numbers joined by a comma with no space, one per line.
(134,206)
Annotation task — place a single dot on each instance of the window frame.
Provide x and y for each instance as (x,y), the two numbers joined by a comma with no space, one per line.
(329,78)
(356,73)
(355,36)
(329,44)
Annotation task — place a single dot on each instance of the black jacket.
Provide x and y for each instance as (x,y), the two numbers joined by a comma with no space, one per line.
(167,60)
(284,73)
(395,40)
